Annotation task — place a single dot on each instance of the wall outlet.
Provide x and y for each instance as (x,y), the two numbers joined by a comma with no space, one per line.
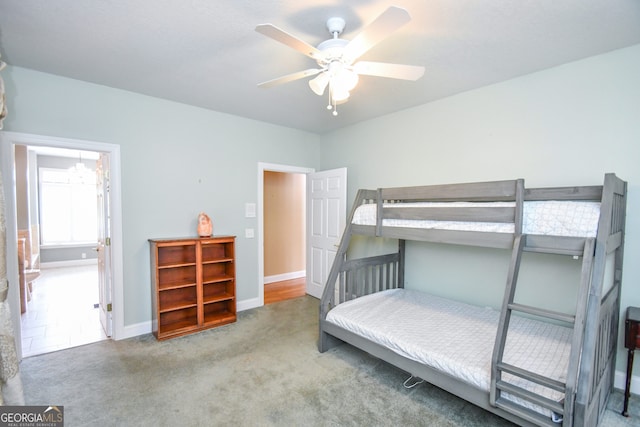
(248,233)
(84,256)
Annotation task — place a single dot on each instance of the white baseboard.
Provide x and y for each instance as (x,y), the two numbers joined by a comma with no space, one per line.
(248,304)
(620,381)
(70,263)
(135,330)
(143,328)
(284,276)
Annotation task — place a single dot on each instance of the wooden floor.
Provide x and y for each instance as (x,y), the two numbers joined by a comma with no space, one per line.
(287,289)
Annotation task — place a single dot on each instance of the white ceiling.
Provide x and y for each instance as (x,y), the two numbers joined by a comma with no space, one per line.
(206,53)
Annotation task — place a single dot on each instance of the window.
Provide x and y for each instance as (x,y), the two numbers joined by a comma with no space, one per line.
(68,206)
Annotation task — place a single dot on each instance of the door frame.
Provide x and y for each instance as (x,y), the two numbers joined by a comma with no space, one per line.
(7,148)
(262,168)
(103,246)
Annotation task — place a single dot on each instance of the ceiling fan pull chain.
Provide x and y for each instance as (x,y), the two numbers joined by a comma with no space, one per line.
(332,106)
(332,102)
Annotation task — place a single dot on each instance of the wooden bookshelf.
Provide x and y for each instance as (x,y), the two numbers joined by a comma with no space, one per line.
(193,284)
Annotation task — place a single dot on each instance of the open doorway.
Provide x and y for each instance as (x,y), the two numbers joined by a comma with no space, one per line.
(12,145)
(56,202)
(288,277)
(284,235)
(325,208)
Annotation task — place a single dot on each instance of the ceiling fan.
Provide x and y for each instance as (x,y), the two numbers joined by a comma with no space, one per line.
(336,57)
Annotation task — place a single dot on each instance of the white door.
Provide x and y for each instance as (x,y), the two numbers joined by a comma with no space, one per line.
(104,243)
(326,216)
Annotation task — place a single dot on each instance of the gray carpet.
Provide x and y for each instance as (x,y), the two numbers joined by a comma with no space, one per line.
(263,370)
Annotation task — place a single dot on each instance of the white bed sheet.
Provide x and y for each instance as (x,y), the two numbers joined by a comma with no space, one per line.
(554,218)
(456,338)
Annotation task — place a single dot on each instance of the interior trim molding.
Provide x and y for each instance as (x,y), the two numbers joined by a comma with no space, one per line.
(285,276)
(7,165)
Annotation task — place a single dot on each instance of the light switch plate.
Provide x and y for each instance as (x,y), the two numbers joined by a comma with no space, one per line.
(250,210)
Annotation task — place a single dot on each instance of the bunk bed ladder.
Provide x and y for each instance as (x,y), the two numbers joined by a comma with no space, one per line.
(500,367)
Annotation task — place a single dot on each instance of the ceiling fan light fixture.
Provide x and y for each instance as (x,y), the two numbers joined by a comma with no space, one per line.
(344,79)
(319,84)
(339,78)
(338,95)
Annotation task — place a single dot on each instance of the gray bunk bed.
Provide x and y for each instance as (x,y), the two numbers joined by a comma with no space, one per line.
(364,303)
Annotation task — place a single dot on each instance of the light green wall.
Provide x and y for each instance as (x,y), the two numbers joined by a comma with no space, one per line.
(568,125)
(177,160)
(563,126)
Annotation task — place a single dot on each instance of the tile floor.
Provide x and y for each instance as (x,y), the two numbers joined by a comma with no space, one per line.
(61,312)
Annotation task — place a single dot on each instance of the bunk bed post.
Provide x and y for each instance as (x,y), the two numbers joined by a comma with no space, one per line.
(379,214)
(325,341)
(519,213)
(401,252)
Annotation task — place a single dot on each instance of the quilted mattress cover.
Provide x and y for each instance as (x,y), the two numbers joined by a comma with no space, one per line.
(457,338)
(554,218)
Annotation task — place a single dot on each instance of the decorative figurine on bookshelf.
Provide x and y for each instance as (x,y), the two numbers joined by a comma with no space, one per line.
(205,228)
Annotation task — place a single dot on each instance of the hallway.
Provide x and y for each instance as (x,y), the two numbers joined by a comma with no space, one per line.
(284,290)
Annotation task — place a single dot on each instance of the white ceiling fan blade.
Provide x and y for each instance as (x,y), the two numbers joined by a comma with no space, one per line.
(290,77)
(385,24)
(319,84)
(393,71)
(285,38)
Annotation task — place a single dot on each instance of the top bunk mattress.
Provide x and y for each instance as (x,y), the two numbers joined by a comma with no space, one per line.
(551,217)
(457,338)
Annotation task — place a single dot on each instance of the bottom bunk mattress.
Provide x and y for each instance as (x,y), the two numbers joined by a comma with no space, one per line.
(458,338)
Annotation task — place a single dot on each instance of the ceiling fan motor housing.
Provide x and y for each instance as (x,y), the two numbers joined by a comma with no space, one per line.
(333,48)
(335,25)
